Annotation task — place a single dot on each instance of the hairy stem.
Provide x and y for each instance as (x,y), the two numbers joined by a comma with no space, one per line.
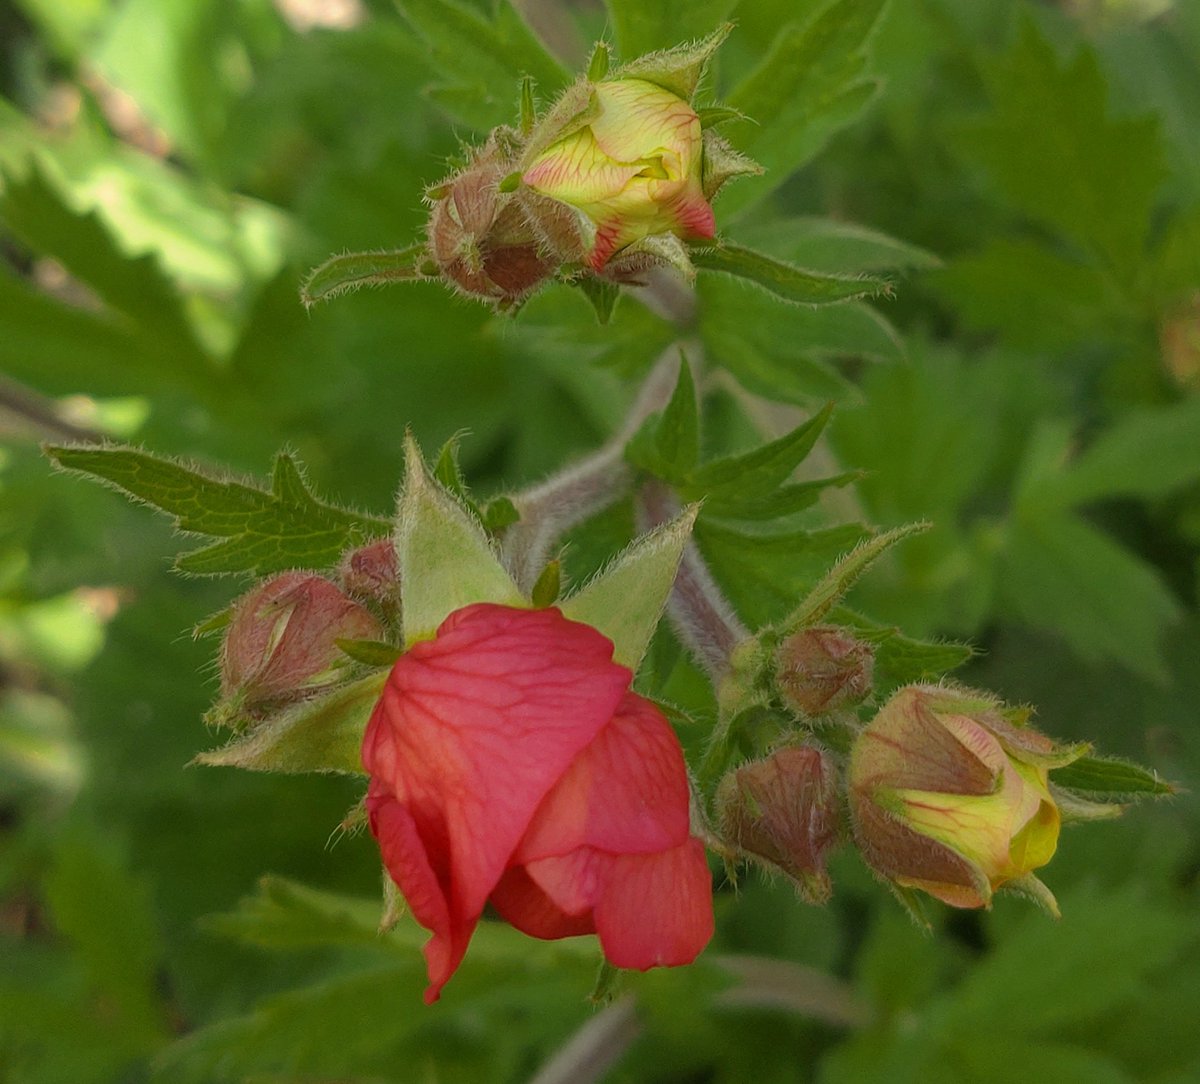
(700,614)
(551,508)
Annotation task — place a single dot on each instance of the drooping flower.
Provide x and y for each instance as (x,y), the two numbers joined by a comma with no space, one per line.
(511,764)
(281,644)
(949,797)
(634,169)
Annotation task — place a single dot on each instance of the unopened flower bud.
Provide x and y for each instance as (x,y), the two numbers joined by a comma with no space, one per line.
(479,237)
(634,168)
(372,572)
(821,669)
(949,797)
(281,642)
(783,811)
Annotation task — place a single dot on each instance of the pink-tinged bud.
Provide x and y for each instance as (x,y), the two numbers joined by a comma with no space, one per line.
(634,168)
(479,237)
(372,573)
(281,642)
(783,812)
(822,669)
(949,797)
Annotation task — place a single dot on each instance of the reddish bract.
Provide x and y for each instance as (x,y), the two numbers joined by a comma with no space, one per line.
(510,762)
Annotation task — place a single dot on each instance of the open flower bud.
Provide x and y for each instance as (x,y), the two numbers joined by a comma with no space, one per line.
(783,811)
(949,797)
(634,168)
(281,642)
(821,669)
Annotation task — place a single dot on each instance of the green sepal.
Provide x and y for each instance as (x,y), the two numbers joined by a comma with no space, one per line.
(446,561)
(602,295)
(549,583)
(625,601)
(1110,779)
(354,270)
(323,735)
(786,281)
(721,162)
(598,62)
(374,653)
(678,70)
(843,575)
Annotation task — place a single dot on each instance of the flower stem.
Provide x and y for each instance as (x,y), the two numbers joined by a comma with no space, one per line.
(554,506)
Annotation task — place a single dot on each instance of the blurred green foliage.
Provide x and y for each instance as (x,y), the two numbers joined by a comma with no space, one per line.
(171,168)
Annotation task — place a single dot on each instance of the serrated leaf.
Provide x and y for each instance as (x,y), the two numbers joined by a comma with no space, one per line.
(901,659)
(758,472)
(784,280)
(323,735)
(1060,157)
(668,444)
(833,586)
(1066,576)
(626,599)
(496,50)
(784,501)
(642,28)
(829,244)
(1110,777)
(353,270)
(263,532)
(135,287)
(446,561)
(811,83)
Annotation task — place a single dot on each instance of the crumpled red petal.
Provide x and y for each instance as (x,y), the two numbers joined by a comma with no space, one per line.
(472,731)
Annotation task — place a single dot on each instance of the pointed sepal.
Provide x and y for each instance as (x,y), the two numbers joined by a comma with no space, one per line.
(721,163)
(626,600)
(680,69)
(446,561)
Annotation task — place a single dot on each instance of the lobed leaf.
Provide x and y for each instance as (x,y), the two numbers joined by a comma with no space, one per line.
(261,531)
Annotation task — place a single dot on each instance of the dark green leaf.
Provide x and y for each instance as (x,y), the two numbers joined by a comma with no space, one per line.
(354,270)
(784,280)
(810,84)
(603,296)
(262,531)
(785,501)
(643,28)
(668,444)
(1061,158)
(757,473)
(828,244)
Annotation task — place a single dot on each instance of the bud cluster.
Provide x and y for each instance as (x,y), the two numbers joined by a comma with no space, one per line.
(607,183)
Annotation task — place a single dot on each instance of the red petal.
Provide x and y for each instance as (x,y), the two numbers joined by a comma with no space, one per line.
(473,729)
(523,904)
(626,793)
(656,909)
(650,910)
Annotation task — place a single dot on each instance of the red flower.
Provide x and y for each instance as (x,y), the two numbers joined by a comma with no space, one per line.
(510,763)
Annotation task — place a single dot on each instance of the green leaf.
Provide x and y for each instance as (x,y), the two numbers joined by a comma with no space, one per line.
(810,84)
(496,50)
(668,444)
(843,575)
(285,915)
(262,532)
(784,501)
(1064,575)
(352,271)
(1060,157)
(757,473)
(626,599)
(784,280)
(369,652)
(322,735)
(1147,453)
(135,287)
(446,561)
(643,28)
(1111,778)
(829,244)
(900,659)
